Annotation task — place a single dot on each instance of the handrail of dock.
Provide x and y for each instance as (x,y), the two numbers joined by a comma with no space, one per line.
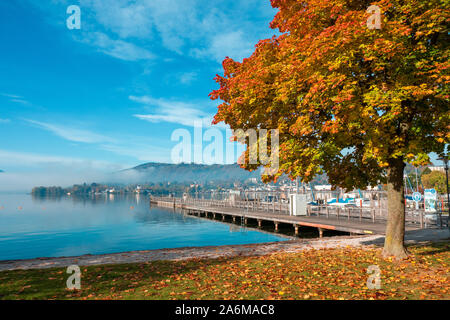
(375,213)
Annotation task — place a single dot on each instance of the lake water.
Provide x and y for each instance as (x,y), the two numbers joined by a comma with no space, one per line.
(33,227)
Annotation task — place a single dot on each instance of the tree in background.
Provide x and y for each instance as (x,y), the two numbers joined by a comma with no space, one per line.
(435,180)
(354,102)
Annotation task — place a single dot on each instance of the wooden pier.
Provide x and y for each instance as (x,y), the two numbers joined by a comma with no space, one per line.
(349,220)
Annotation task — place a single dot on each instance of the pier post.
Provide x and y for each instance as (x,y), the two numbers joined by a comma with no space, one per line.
(320,232)
(276,226)
(245,221)
(296,229)
(223,217)
(234,219)
(214,215)
(379,205)
(259,223)
(421,219)
(273,202)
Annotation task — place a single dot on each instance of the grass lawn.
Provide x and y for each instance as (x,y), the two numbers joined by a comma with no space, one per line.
(312,274)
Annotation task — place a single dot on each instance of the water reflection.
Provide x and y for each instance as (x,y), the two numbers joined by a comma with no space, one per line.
(102,223)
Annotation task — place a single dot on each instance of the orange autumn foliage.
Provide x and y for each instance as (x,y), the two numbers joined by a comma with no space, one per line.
(347,100)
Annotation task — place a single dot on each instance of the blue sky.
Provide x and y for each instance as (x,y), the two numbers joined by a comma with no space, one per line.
(111,94)
(78,103)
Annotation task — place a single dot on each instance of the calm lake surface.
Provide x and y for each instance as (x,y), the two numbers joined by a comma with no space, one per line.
(33,227)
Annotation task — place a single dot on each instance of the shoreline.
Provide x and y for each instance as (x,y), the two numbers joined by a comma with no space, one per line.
(226,251)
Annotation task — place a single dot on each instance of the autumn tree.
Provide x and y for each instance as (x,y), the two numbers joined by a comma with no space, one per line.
(354,102)
(435,180)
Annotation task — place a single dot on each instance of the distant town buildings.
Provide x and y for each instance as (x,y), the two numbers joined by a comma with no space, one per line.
(326,187)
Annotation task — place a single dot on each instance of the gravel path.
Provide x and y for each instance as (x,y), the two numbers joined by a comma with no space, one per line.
(418,236)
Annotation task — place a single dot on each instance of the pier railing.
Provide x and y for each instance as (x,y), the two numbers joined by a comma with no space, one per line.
(376,211)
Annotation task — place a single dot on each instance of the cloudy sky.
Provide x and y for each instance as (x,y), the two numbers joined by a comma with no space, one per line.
(111,94)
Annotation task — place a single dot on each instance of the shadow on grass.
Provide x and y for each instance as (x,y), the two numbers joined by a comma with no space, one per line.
(99,280)
(438,247)
(413,237)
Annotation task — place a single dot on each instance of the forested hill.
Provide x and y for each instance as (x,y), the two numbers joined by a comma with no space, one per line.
(162,172)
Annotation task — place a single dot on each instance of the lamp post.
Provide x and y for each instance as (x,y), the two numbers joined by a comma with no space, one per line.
(445,160)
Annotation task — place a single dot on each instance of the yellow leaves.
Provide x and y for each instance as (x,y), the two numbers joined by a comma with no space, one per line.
(383,164)
(329,273)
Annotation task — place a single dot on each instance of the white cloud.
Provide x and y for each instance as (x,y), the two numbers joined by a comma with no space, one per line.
(124,18)
(133,147)
(232,44)
(72,134)
(141,152)
(188,77)
(16,98)
(5,120)
(183,113)
(13,96)
(24,159)
(118,48)
(202,28)
(23,171)
(168,20)
(21,101)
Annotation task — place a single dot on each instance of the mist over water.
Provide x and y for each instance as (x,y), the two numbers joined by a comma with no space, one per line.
(20,182)
(32,227)
(78,173)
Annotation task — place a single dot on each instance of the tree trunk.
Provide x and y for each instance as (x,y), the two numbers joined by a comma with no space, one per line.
(395,230)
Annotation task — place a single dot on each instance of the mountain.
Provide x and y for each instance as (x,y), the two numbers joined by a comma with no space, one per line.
(190,172)
(155,172)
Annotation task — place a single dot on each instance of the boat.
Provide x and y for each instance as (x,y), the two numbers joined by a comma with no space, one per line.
(349,202)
